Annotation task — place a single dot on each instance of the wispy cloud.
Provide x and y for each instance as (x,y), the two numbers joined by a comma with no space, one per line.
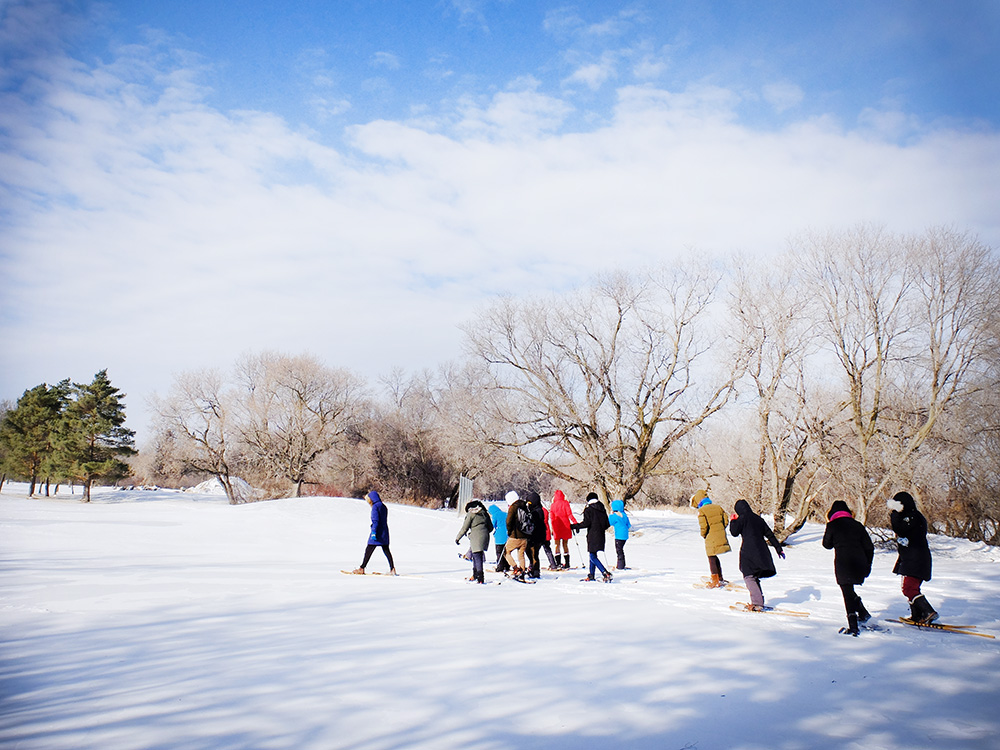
(595,74)
(386,60)
(783,96)
(146,231)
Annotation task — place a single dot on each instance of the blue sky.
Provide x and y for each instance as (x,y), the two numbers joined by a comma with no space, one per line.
(395,59)
(182,182)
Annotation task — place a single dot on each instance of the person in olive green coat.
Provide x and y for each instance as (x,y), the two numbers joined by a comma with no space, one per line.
(713,521)
(478,526)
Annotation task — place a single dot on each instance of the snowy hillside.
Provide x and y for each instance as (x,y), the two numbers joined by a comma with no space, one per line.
(156,619)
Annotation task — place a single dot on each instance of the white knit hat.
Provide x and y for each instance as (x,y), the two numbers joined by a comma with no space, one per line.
(511,497)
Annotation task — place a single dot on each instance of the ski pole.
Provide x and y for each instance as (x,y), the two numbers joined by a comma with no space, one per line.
(608,567)
(579,551)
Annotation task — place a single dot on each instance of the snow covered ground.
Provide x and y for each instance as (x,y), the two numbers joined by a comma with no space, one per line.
(160,619)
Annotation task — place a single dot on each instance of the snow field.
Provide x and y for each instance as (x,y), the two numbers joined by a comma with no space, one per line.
(158,619)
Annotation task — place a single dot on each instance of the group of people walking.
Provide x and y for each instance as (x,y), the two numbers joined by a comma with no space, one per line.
(853,548)
(526,529)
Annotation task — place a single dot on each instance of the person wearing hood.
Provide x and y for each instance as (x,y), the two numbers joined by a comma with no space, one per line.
(537,538)
(620,522)
(478,526)
(712,522)
(853,553)
(562,520)
(379,535)
(519,526)
(914,560)
(755,558)
(499,518)
(595,521)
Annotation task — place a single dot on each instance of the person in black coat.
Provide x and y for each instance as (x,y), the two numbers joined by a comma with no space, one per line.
(595,521)
(914,561)
(755,558)
(537,539)
(852,560)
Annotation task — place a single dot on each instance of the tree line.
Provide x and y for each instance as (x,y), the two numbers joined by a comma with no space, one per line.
(67,432)
(859,362)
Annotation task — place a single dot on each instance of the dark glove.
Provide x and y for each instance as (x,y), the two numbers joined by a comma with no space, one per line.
(781,554)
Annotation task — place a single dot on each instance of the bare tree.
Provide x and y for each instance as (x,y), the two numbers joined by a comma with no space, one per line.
(771,319)
(292,410)
(198,415)
(596,387)
(906,319)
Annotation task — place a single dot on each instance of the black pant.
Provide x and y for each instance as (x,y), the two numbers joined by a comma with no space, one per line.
(534,568)
(477,565)
(502,563)
(851,599)
(620,549)
(371,548)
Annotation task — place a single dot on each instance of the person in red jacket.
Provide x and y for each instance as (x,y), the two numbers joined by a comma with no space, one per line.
(561,519)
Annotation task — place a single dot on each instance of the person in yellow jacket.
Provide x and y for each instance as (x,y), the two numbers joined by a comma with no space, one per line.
(712,521)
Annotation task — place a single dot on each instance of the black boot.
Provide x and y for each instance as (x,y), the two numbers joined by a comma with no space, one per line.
(863,614)
(566,565)
(852,625)
(923,611)
(558,565)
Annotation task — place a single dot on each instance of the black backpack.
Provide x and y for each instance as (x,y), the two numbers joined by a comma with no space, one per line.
(525,521)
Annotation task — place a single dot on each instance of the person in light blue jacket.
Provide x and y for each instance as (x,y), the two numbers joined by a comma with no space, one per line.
(621,524)
(499,516)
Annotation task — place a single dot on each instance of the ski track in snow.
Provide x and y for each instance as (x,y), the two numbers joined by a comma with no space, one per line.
(161,619)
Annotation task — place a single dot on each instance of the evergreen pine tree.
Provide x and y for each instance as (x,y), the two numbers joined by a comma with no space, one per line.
(27,432)
(92,437)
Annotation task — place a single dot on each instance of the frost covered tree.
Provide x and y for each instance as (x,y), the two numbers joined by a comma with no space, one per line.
(595,387)
(293,410)
(908,320)
(196,419)
(771,320)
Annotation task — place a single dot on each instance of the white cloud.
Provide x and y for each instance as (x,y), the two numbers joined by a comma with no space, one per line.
(148,233)
(513,114)
(783,96)
(386,60)
(594,75)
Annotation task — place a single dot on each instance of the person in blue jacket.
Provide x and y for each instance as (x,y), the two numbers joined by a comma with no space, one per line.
(499,516)
(620,522)
(379,536)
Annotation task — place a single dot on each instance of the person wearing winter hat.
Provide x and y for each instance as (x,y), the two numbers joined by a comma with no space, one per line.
(499,517)
(621,523)
(519,528)
(379,535)
(712,522)
(562,519)
(539,531)
(595,521)
(914,553)
(853,552)
(478,526)
(755,559)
